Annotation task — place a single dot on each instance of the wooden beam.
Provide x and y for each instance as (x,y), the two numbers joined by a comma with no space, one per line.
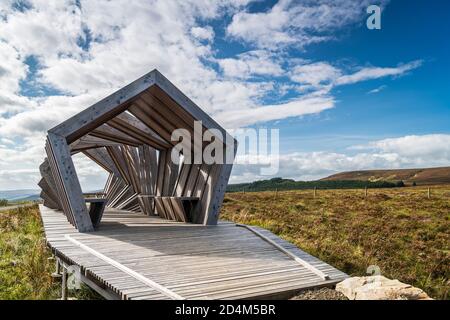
(51,188)
(215,191)
(103,159)
(137,134)
(136,123)
(104,110)
(109,133)
(116,155)
(89,142)
(161,172)
(71,186)
(141,111)
(43,184)
(166,92)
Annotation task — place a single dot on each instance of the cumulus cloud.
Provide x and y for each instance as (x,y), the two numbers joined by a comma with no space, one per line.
(203,33)
(48,29)
(86,50)
(431,146)
(315,74)
(296,23)
(413,151)
(251,63)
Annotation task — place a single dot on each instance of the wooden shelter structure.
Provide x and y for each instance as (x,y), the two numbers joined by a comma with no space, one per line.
(153,233)
(129,134)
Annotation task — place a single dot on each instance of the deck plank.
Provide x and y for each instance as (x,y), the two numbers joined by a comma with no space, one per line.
(193,261)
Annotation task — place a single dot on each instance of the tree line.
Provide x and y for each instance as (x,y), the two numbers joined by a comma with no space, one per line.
(289,184)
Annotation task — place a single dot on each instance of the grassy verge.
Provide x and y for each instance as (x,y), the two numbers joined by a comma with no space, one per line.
(401,231)
(24,266)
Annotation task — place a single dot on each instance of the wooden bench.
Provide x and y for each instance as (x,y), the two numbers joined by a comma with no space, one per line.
(177,208)
(96,208)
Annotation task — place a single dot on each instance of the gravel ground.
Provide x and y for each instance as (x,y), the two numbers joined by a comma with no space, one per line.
(319,294)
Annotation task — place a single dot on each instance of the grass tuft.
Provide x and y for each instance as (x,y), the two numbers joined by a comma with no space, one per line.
(25,270)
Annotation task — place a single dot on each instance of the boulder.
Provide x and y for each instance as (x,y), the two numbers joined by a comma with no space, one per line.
(379,288)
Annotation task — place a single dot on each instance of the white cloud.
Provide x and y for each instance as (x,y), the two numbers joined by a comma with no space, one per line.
(377,72)
(251,63)
(299,107)
(315,74)
(19,164)
(378,89)
(49,29)
(414,151)
(321,74)
(12,70)
(431,146)
(297,23)
(91,176)
(203,33)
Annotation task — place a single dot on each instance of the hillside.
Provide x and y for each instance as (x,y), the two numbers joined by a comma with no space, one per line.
(20,195)
(289,184)
(428,176)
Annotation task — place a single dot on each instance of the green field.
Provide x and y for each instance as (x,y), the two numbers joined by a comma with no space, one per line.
(400,230)
(24,266)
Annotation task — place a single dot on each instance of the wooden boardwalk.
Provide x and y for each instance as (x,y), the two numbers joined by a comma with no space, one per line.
(133,256)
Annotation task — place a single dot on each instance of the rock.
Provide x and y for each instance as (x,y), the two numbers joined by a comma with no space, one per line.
(379,288)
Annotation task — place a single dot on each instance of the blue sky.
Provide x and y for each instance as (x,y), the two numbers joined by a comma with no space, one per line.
(342,96)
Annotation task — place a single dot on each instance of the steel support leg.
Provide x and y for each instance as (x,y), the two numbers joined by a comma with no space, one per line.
(64,284)
(57,273)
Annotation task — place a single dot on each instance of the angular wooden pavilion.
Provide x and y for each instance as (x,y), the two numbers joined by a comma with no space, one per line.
(129,135)
(153,232)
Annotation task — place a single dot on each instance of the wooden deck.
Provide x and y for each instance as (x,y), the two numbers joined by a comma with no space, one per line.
(133,256)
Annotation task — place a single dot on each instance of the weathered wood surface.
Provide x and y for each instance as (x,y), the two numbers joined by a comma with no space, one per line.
(189,260)
(129,134)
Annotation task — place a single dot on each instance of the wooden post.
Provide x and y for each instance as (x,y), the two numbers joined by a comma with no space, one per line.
(64,284)
(276,193)
(365,192)
(243,190)
(429,193)
(315,188)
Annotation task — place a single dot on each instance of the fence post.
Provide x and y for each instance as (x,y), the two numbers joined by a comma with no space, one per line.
(315,188)
(365,192)
(276,193)
(429,193)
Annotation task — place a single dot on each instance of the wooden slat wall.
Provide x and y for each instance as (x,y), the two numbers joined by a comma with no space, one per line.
(132,142)
(68,186)
(47,184)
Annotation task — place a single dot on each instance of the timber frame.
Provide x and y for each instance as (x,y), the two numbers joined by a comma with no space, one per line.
(129,135)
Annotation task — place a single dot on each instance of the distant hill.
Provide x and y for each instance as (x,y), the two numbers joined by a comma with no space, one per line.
(289,184)
(427,176)
(20,195)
